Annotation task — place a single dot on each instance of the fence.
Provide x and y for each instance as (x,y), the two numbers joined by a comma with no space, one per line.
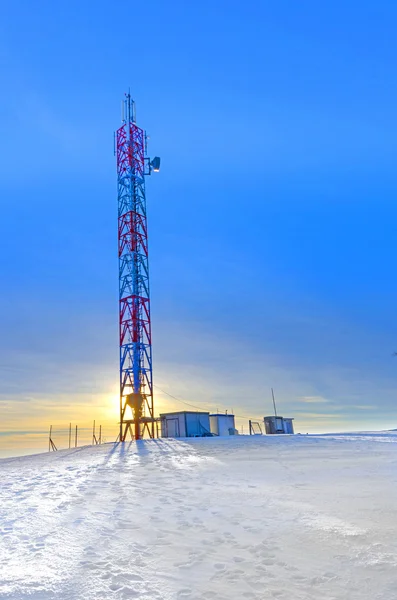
(57,437)
(255,427)
(19,443)
(76,436)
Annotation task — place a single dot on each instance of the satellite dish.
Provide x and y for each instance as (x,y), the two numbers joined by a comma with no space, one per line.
(155,164)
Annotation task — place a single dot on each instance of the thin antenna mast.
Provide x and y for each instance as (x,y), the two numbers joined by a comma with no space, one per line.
(274,404)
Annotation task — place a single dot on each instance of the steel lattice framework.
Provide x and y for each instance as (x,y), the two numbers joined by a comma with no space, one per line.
(136,374)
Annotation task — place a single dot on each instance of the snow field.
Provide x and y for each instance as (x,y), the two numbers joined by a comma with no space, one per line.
(280,517)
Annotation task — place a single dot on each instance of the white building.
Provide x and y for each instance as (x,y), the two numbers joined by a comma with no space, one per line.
(222,424)
(185,424)
(277,425)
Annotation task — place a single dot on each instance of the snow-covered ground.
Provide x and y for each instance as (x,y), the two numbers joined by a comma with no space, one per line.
(253,518)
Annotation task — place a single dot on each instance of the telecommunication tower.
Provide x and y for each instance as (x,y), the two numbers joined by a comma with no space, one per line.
(136,373)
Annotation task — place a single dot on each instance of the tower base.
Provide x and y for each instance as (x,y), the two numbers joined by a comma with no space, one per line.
(136,430)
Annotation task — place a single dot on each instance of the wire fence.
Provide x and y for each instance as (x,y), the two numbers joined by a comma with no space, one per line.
(15,443)
(72,435)
(75,436)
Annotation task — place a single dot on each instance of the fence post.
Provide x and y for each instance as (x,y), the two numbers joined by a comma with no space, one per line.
(51,445)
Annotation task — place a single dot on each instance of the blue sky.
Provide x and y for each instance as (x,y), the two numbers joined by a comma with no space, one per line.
(272,223)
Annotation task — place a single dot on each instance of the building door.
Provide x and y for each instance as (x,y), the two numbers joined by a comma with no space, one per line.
(173,428)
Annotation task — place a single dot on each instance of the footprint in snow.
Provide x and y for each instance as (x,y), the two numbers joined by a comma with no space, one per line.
(184,593)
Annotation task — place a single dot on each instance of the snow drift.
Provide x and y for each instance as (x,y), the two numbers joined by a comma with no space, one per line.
(253,518)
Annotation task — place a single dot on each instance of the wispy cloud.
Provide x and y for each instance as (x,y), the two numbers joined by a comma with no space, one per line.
(314,399)
(321,416)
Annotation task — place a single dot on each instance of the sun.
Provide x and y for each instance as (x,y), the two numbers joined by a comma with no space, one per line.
(111,407)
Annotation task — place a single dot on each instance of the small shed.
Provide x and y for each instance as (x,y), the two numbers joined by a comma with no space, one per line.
(222,424)
(288,425)
(185,424)
(278,425)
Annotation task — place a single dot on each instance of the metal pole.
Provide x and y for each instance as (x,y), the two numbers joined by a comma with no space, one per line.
(49,439)
(274,404)
(75,439)
(70,434)
(121,412)
(93,434)
(100,434)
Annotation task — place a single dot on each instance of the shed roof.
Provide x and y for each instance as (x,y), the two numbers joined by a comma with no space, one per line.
(280,417)
(185,412)
(221,415)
